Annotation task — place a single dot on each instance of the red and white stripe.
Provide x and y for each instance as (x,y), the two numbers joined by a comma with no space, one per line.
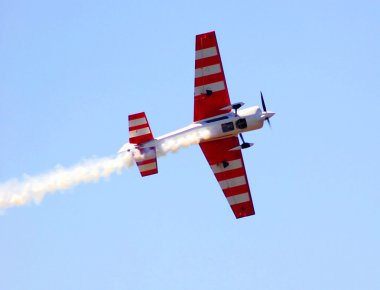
(232,164)
(232,180)
(137,122)
(229,170)
(139,130)
(148,164)
(147,167)
(206,52)
(239,198)
(214,87)
(209,76)
(208,71)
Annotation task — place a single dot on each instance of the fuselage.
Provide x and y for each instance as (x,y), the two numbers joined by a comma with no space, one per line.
(218,127)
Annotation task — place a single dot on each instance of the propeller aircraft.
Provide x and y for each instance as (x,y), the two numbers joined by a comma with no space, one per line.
(217,123)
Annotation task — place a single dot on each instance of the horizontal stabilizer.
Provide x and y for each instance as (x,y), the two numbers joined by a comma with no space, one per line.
(139,129)
(147,163)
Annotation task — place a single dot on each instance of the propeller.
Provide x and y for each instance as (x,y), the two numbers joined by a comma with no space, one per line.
(264,108)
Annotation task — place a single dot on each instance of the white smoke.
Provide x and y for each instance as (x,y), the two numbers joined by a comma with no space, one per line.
(172,144)
(34,188)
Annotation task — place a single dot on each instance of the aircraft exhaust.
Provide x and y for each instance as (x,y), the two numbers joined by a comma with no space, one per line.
(15,193)
(34,188)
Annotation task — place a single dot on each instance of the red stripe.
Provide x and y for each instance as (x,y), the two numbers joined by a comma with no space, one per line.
(230,174)
(203,62)
(136,116)
(149,172)
(209,79)
(217,99)
(236,190)
(205,40)
(218,150)
(146,161)
(243,209)
(139,127)
(231,158)
(141,139)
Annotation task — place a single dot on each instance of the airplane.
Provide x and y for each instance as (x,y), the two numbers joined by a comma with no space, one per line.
(216,124)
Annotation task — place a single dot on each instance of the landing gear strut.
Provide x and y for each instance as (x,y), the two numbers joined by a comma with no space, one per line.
(236,107)
(245,145)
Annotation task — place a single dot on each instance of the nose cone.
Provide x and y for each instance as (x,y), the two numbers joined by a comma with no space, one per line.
(267,115)
(270,114)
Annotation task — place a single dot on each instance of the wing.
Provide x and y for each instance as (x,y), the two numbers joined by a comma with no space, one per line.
(210,87)
(229,170)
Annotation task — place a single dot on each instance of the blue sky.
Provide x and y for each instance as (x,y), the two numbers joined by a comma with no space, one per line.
(72,71)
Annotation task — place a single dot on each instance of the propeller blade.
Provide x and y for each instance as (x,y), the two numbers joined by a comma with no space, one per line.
(262,102)
(270,126)
(265,108)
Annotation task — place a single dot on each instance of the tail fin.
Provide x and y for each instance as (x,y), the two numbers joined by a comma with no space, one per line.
(148,165)
(140,132)
(139,129)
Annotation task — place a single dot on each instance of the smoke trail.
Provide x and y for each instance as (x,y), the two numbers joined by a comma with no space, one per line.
(186,139)
(34,188)
(18,193)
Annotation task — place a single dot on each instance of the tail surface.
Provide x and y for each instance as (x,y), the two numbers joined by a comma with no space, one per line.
(139,129)
(139,133)
(148,164)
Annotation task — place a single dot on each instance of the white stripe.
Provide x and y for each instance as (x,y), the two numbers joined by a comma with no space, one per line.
(139,132)
(149,166)
(233,182)
(207,52)
(137,122)
(215,87)
(233,164)
(208,70)
(239,198)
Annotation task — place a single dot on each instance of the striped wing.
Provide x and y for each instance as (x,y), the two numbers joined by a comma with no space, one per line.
(229,170)
(210,87)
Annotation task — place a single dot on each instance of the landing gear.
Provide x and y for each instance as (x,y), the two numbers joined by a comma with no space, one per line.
(245,145)
(241,137)
(236,107)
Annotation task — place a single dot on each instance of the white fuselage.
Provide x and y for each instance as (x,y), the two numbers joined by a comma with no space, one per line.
(218,127)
